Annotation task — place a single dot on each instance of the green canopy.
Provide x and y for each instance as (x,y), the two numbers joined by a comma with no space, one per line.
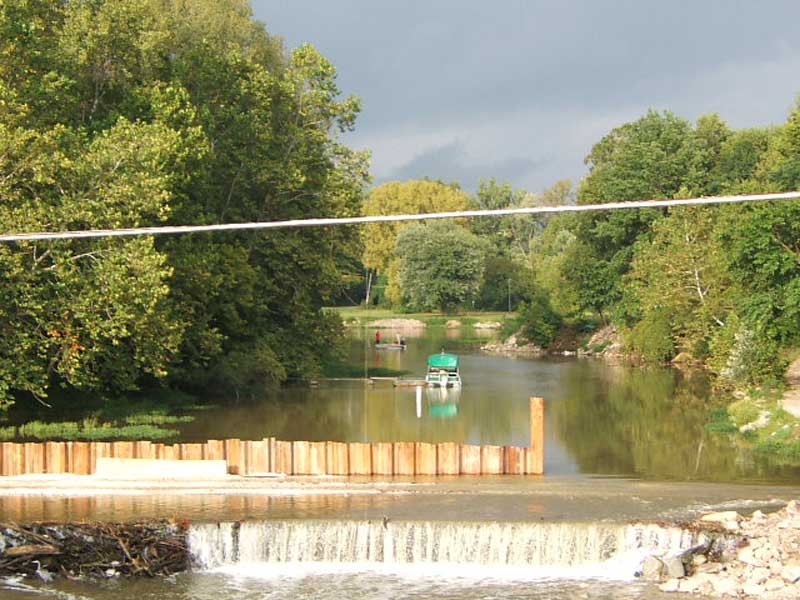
(443,361)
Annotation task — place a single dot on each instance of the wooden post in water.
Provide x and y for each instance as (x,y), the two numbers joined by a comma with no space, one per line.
(536,464)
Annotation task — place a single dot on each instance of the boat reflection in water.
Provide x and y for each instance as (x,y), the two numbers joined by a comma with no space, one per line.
(443,401)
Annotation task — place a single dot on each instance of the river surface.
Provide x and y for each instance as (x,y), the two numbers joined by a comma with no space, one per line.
(601,419)
(622,444)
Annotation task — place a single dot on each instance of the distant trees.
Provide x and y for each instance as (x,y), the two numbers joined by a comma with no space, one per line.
(410,197)
(720,283)
(440,266)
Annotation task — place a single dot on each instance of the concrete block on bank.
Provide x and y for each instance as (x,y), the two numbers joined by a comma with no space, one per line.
(143,468)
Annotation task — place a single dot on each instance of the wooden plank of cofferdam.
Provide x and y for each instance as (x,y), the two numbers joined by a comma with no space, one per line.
(447,459)
(317,458)
(245,456)
(336,462)
(491,460)
(158,451)
(171,452)
(122,449)
(98,450)
(425,458)
(214,450)
(404,458)
(382,458)
(10,465)
(273,452)
(531,462)
(233,455)
(143,450)
(191,451)
(301,458)
(359,458)
(81,459)
(537,435)
(514,460)
(283,457)
(257,457)
(470,460)
(55,457)
(34,457)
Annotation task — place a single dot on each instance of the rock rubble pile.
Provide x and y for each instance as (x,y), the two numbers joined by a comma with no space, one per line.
(761,558)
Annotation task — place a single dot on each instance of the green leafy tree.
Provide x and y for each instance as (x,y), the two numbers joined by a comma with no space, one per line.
(644,159)
(141,112)
(440,266)
(409,197)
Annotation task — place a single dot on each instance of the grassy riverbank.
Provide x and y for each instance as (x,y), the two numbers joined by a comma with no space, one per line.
(757,421)
(153,416)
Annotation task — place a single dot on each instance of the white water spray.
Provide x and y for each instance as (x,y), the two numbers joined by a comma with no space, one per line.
(468,548)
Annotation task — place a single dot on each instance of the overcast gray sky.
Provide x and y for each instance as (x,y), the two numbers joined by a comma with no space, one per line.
(520,90)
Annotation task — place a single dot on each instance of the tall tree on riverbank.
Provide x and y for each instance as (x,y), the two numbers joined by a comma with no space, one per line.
(408,197)
(440,266)
(140,112)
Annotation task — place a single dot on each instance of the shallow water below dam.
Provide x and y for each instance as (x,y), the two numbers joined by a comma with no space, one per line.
(623,445)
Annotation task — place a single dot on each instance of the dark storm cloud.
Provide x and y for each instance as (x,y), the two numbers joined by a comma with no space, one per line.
(518,84)
(451,163)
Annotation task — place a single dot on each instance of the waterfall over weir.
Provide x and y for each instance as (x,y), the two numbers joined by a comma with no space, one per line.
(614,550)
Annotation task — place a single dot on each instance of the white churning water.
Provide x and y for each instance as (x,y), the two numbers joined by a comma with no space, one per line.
(298,547)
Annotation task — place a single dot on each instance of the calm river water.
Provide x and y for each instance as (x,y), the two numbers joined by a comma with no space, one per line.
(600,418)
(622,443)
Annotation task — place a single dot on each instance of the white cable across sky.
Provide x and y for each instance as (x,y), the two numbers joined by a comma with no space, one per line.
(533,210)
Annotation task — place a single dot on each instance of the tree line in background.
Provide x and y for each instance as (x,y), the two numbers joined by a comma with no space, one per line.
(130,113)
(720,283)
(126,113)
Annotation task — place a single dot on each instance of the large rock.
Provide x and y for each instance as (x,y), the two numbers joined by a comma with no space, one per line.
(653,569)
(674,566)
(791,571)
(721,517)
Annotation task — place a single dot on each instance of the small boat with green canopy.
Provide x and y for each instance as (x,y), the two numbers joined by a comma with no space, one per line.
(443,370)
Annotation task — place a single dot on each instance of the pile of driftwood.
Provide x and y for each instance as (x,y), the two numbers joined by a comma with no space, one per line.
(47,550)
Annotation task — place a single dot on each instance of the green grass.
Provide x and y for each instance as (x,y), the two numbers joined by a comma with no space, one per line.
(744,411)
(140,427)
(719,421)
(779,439)
(156,418)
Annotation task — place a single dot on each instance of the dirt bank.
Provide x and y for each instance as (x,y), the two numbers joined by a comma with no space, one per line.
(397,324)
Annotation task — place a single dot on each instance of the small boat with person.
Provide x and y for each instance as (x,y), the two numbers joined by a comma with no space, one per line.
(443,370)
(398,344)
(383,346)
